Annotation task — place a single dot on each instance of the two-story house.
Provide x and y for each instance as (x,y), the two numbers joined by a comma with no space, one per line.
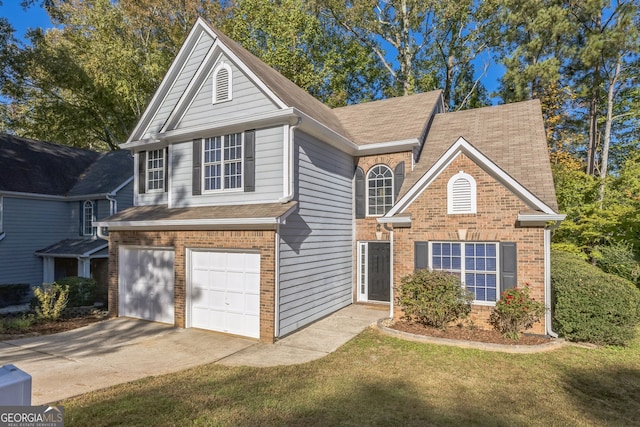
(50,195)
(259,210)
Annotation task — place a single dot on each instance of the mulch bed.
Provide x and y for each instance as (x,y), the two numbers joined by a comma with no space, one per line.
(464,333)
(50,327)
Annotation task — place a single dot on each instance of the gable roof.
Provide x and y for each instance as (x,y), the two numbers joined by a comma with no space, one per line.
(29,166)
(353,123)
(511,135)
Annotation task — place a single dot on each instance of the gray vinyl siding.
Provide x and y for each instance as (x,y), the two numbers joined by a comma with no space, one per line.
(316,242)
(247,100)
(181,83)
(124,197)
(31,225)
(269,174)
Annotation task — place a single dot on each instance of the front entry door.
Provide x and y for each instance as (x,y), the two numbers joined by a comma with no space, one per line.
(378,266)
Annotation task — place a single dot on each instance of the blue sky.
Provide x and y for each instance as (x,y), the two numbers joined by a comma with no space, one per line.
(22,20)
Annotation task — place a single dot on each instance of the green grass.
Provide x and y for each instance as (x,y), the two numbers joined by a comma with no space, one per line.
(378,380)
(16,324)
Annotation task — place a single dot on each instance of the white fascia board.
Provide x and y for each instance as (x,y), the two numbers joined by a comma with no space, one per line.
(189,224)
(388,147)
(176,67)
(462,146)
(541,217)
(398,221)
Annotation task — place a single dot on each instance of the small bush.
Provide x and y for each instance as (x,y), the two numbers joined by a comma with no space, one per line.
(591,305)
(82,290)
(433,298)
(17,324)
(516,312)
(52,300)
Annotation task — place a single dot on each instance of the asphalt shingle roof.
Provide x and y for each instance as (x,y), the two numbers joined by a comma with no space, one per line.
(40,167)
(105,174)
(511,135)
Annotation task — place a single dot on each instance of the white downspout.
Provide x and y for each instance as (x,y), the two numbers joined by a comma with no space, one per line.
(290,166)
(113,209)
(276,315)
(547,278)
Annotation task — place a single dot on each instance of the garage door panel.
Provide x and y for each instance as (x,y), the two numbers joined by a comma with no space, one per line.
(232,286)
(146,285)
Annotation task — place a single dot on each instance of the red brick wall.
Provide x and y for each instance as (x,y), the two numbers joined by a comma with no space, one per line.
(495,221)
(263,241)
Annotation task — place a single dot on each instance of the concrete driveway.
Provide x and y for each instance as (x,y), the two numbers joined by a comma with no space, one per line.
(121,350)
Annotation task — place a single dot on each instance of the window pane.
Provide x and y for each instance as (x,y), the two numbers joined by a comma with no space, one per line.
(469,249)
(437,248)
(479,249)
(437,263)
(491,264)
(380,184)
(480,264)
(446,249)
(491,250)
(455,249)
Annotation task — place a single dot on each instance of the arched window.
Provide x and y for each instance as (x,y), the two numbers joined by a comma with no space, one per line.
(379,190)
(222,83)
(461,194)
(87,218)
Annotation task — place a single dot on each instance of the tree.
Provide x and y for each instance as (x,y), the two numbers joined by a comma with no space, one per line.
(422,45)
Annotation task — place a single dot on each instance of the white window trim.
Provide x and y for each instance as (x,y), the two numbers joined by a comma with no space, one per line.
(451,209)
(463,270)
(148,188)
(227,67)
(85,205)
(222,163)
(366,178)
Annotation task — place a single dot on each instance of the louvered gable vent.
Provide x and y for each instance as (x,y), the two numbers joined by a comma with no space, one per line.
(222,88)
(461,194)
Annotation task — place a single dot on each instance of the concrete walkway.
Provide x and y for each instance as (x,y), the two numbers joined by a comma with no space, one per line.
(121,350)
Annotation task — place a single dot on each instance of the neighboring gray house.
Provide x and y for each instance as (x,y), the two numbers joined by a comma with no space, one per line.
(49,197)
(259,210)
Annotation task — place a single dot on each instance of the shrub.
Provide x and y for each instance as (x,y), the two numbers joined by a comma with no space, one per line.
(515,312)
(591,305)
(618,258)
(14,294)
(52,300)
(82,290)
(433,298)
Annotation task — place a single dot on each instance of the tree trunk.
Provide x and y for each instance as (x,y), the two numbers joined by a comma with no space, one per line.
(604,158)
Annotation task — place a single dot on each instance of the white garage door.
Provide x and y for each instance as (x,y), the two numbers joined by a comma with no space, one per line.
(225,292)
(145,284)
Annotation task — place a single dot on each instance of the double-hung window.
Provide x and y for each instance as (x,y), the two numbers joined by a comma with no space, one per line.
(156,164)
(222,162)
(475,263)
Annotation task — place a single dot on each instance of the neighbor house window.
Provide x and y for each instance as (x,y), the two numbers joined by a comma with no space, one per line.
(475,263)
(380,190)
(223,162)
(461,194)
(87,218)
(222,83)
(156,164)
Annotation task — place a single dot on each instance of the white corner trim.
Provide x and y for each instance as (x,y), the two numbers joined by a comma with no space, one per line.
(462,146)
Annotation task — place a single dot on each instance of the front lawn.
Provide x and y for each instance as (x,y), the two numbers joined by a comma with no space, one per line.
(378,380)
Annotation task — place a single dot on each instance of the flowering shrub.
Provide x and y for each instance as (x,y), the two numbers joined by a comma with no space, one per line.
(516,311)
(52,300)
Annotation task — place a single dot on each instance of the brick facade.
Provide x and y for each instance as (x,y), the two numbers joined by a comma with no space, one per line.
(257,240)
(495,221)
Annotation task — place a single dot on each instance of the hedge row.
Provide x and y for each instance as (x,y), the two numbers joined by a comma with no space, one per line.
(591,305)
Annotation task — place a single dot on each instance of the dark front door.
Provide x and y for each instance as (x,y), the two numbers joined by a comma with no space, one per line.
(379,263)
